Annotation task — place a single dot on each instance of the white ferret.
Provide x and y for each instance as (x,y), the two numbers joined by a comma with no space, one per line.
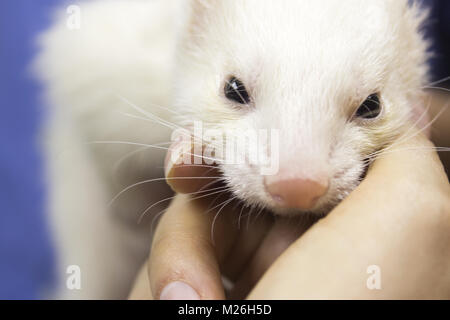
(338,78)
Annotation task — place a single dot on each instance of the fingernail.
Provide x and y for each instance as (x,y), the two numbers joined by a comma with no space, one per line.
(178,291)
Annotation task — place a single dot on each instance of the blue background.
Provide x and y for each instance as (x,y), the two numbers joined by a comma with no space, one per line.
(26,255)
(25,248)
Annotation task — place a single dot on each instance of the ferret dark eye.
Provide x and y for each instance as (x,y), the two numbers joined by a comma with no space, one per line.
(371,108)
(236,91)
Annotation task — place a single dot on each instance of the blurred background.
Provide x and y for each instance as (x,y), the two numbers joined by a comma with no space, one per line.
(26,253)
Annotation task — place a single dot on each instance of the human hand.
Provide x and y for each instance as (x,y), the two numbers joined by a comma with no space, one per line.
(398,220)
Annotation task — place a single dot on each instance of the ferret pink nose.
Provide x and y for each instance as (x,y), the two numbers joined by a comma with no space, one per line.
(300,194)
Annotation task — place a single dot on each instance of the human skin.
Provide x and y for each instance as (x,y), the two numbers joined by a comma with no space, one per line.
(398,219)
(407,237)
(440,134)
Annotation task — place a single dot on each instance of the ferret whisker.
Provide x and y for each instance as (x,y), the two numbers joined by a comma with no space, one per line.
(437,88)
(211,183)
(240,216)
(150,146)
(438,149)
(129,143)
(209,192)
(215,207)
(439,81)
(430,149)
(134,152)
(156,180)
(247,206)
(424,128)
(368,161)
(155,218)
(422,116)
(236,205)
(159,214)
(217,216)
(147,113)
(219,194)
(193,165)
(210,170)
(212,203)
(381,156)
(121,97)
(133,116)
(258,214)
(168,125)
(405,138)
(249,216)
(152,117)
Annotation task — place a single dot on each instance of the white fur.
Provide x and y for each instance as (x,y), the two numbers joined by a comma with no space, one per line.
(124,49)
(307,64)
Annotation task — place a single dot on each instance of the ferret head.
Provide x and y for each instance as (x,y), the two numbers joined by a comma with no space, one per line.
(338,80)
